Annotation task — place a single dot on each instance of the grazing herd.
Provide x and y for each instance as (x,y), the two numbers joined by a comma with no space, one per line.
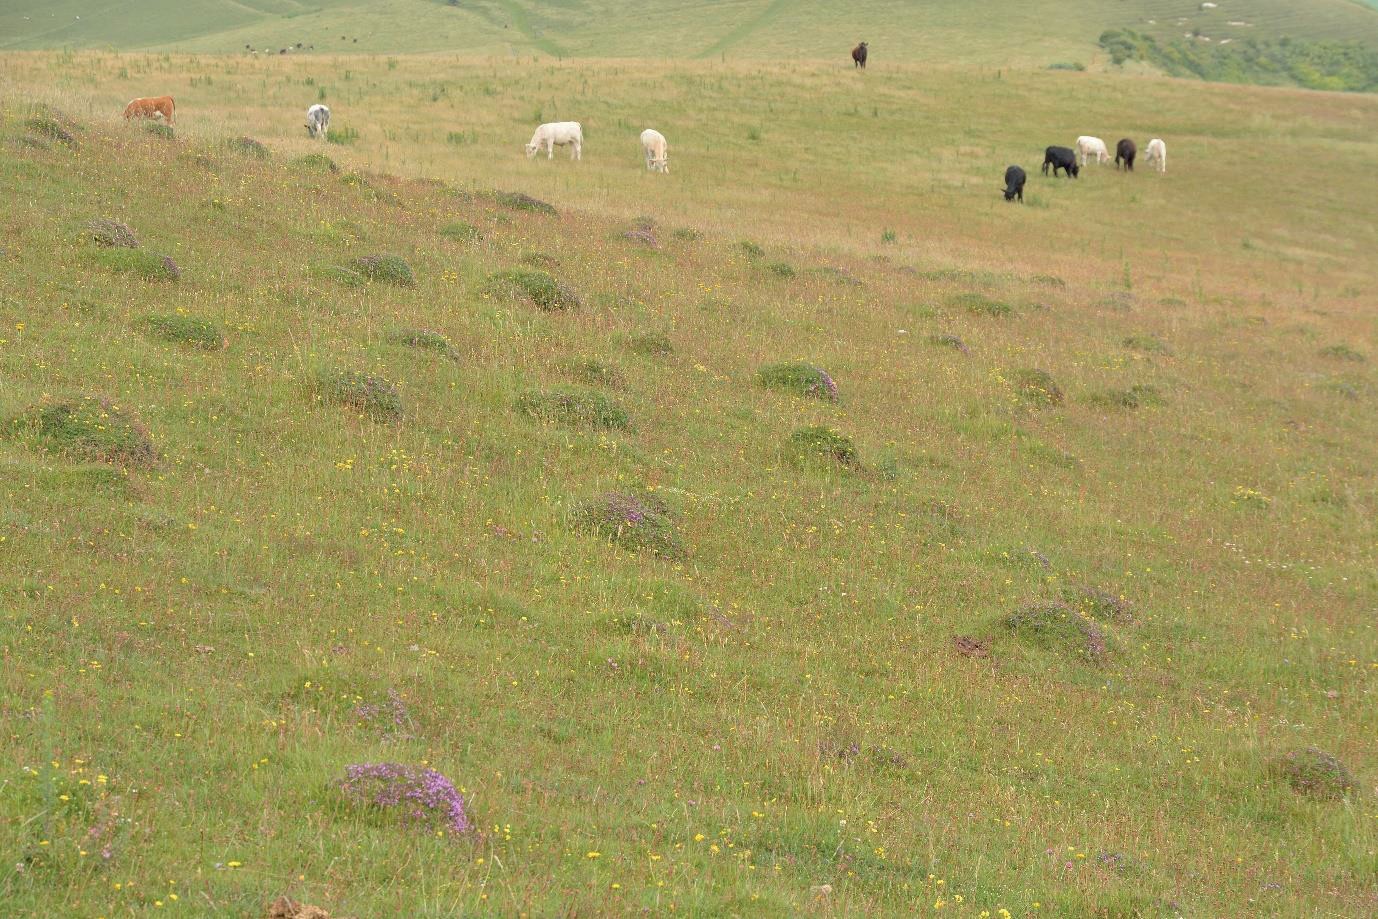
(570,134)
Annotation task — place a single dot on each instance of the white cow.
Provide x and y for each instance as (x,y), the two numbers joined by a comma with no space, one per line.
(1092,146)
(656,149)
(1156,154)
(557,134)
(318,120)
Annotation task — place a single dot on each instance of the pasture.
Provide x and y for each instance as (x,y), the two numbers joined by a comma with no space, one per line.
(1025,623)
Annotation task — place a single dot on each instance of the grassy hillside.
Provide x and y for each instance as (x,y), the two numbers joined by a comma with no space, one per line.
(1003,32)
(1028,619)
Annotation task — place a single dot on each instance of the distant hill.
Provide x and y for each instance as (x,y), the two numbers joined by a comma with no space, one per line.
(998,32)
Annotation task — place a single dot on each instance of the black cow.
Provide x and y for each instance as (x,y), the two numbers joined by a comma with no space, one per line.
(859,56)
(1014,184)
(1064,158)
(1126,151)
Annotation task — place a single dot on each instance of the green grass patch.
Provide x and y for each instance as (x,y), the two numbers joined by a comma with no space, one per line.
(575,408)
(1343,353)
(1313,772)
(423,340)
(1148,344)
(595,372)
(652,344)
(184,330)
(388,269)
(800,378)
(148,265)
(519,201)
(160,130)
(344,137)
(247,146)
(1137,396)
(637,521)
(1057,627)
(539,287)
(979,304)
(1037,388)
(88,428)
(315,163)
(819,442)
(461,232)
(370,395)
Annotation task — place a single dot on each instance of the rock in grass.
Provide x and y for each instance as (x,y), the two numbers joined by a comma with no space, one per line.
(366,393)
(184,330)
(575,408)
(88,427)
(1060,628)
(1313,772)
(635,521)
(248,147)
(800,378)
(822,442)
(539,287)
(522,202)
(423,340)
(390,269)
(1037,388)
(112,234)
(461,232)
(147,265)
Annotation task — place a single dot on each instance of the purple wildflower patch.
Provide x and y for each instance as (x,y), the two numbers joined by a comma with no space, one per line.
(389,716)
(422,796)
(634,521)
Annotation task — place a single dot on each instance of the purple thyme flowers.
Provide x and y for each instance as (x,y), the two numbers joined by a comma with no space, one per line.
(423,796)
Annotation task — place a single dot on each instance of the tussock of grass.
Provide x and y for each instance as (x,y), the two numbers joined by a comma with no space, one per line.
(539,287)
(184,330)
(652,344)
(636,521)
(542,260)
(389,269)
(340,274)
(111,233)
(1313,772)
(979,304)
(247,146)
(1057,627)
(423,340)
(370,395)
(461,232)
(595,372)
(1137,396)
(686,234)
(1037,388)
(343,137)
(148,265)
(519,201)
(1101,605)
(89,428)
(840,275)
(799,378)
(315,162)
(48,125)
(1343,353)
(575,408)
(781,269)
(1149,344)
(825,443)
(751,249)
(949,341)
(160,130)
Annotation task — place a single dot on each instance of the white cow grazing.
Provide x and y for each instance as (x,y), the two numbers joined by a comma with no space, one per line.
(1156,154)
(557,134)
(657,150)
(318,120)
(1092,146)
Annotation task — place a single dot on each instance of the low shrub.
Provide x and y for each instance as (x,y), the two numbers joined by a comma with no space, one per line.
(539,287)
(595,372)
(1057,627)
(1149,344)
(1037,388)
(184,330)
(368,394)
(751,249)
(1343,353)
(390,269)
(1136,396)
(423,340)
(574,408)
(949,341)
(822,442)
(315,162)
(112,234)
(519,201)
(652,344)
(48,125)
(421,798)
(1097,604)
(781,269)
(147,265)
(461,232)
(634,521)
(1313,772)
(248,147)
(686,234)
(158,129)
(980,305)
(89,428)
(799,378)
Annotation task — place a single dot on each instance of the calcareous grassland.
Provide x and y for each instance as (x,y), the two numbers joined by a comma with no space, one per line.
(290,512)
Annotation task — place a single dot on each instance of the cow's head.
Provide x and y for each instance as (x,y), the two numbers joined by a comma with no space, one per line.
(1075,170)
(1010,192)
(531,150)
(862,46)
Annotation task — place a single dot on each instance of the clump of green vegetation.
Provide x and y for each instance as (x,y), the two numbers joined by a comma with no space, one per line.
(248,147)
(1137,396)
(540,287)
(519,201)
(575,408)
(184,330)
(822,442)
(345,136)
(686,234)
(47,124)
(542,260)
(1067,65)
(949,341)
(355,180)
(111,233)
(652,344)
(751,249)
(799,378)
(147,265)
(1313,772)
(636,521)
(390,269)
(158,129)
(1047,280)
(781,269)
(1343,353)
(1327,65)
(88,428)
(423,340)
(1037,388)
(979,304)
(595,372)
(315,162)
(367,393)
(340,274)
(461,232)
(1098,604)
(1057,627)
(1149,344)
(840,275)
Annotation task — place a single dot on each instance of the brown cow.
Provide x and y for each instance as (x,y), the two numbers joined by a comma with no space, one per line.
(859,56)
(150,107)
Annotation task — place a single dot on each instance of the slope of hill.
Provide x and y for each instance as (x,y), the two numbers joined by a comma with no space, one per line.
(1031,618)
(1002,32)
